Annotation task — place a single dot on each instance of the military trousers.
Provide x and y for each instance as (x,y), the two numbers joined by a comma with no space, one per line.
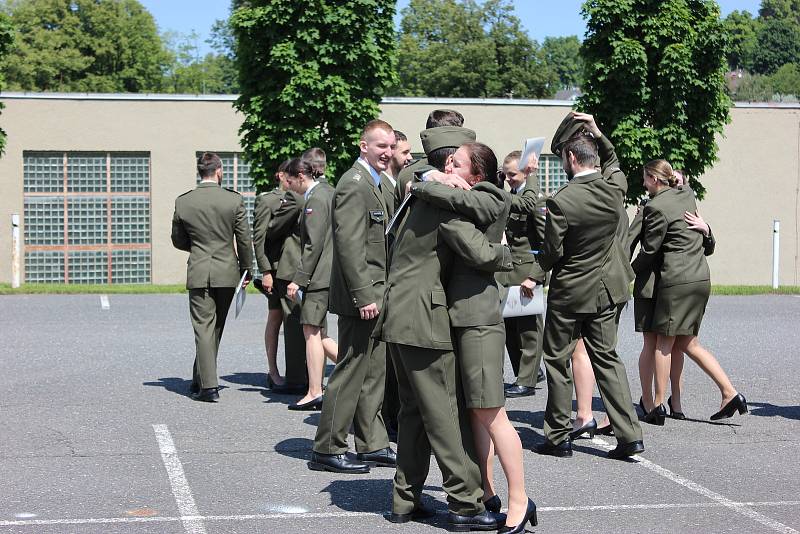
(391,402)
(433,417)
(208,309)
(355,392)
(599,332)
(524,345)
(294,343)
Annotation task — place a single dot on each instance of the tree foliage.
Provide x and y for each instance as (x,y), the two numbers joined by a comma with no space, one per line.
(655,80)
(84,45)
(460,48)
(564,55)
(188,72)
(312,74)
(6,43)
(786,80)
(742,30)
(778,43)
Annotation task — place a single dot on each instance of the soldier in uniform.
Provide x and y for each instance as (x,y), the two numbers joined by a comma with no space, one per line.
(206,222)
(416,325)
(356,388)
(312,276)
(588,286)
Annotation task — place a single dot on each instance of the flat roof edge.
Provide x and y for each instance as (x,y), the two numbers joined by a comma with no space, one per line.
(154,97)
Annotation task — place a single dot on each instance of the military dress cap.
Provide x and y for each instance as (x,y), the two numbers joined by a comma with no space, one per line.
(445,136)
(568,128)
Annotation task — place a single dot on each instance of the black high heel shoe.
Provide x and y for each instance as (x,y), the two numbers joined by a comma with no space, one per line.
(737,403)
(607,430)
(672,413)
(530,515)
(493,504)
(590,428)
(641,406)
(657,416)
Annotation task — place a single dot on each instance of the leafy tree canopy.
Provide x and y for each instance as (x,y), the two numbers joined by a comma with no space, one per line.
(655,80)
(6,43)
(563,54)
(312,74)
(778,43)
(84,45)
(460,48)
(742,31)
(786,80)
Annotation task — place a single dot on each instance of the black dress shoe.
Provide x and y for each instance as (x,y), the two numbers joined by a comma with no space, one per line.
(738,403)
(672,413)
(517,390)
(657,416)
(607,430)
(626,450)
(530,515)
(482,521)
(589,428)
(310,406)
(382,458)
(206,395)
(336,463)
(194,387)
(419,513)
(540,376)
(493,504)
(562,450)
(641,406)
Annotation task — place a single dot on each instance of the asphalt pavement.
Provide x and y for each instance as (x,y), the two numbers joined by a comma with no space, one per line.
(98,434)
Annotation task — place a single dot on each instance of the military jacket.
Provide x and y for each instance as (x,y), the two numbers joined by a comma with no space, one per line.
(272,223)
(524,232)
(316,239)
(205,223)
(290,212)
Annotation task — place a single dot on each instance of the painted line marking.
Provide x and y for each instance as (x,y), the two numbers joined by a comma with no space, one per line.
(104,304)
(737,507)
(371,515)
(190,516)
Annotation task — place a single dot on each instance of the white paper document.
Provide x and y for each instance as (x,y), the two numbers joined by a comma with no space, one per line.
(239,295)
(517,305)
(534,145)
(397,213)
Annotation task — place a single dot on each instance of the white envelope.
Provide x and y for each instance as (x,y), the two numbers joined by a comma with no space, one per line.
(239,295)
(516,305)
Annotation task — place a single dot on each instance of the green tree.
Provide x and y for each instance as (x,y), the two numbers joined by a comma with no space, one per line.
(655,80)
(84,45)
(6,43)
(190,73)
(742,30)
(754,88)
(312,74)
(786,80)
(778,43)
(780,9)
(459,48)
(564,55)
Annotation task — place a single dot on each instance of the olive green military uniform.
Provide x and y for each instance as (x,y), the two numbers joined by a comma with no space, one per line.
(416,325)
(588,285)
(268,248)
(683,281)
(358,277)
(316,243)
(524,232)
(206,222)
(473,298)
(293,339)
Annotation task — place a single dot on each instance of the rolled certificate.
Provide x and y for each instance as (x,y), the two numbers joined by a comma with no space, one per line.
(514,304)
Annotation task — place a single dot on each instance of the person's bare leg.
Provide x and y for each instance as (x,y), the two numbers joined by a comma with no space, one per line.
(662,363)
(710,366)
(485,451)
(331,348)
(583,377)
(271,333)
(315,362)
(676,379)
(509,451)
(647,368)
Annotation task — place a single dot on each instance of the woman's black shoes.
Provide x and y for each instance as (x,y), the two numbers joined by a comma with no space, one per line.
(738,403)
(589,428)
(530,515)
(310,406)
(641,406)
(493,504)
(672,413)
(607,430)
(657,416)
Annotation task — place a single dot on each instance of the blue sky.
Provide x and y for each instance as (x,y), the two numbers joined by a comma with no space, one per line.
(542,18)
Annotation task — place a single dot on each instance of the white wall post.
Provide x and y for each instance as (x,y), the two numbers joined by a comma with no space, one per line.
(15,251)
(776,241)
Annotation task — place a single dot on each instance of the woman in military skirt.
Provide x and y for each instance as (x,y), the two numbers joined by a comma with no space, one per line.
(682,285)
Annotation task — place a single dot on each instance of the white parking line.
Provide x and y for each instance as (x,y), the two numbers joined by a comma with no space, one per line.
(370,515)
(104,304)
(192,522)
(738,507)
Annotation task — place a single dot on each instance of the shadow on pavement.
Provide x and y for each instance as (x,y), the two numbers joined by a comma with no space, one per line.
(258,380)
(534,419)
(765,409)
(172,384)
(298,448)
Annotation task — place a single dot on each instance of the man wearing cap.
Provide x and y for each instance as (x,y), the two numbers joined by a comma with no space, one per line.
(416,326)
(356,388)
(585,248)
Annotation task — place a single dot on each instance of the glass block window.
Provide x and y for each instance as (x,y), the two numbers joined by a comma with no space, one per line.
(551,173)
(87,217)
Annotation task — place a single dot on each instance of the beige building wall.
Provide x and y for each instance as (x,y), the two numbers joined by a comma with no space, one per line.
(756,180)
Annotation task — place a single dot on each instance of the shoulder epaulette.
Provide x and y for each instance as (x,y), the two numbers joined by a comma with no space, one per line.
(231,190)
